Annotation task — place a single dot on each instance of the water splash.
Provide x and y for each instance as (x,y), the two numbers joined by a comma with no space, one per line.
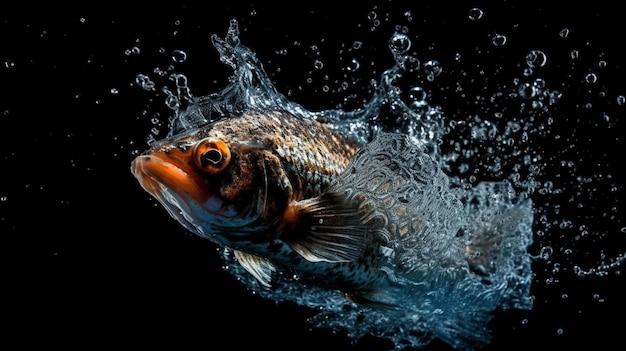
(251,88)
(393,109)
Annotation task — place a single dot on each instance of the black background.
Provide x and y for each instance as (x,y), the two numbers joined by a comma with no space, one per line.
(89,259)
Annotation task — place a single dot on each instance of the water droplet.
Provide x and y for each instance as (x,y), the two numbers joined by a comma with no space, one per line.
(591,78)
(372,15)
(621,100)
(144,82)
(433,69)
(399,43)
(318,64)
(539,83)
(114,91)
(357,45)
(536,58)
(9,64)
(354,65)
(546,252)
(179,56)
(417,93)
(498,39)
(527,91)
(559,331)
(475,14)
(3,198)
(172,102)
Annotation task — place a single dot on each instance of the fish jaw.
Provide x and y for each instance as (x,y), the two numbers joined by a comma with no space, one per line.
(178,188)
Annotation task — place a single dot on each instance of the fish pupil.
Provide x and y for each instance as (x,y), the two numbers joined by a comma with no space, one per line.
(211,157)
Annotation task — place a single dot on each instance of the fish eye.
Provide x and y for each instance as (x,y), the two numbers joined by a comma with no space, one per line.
(211,155)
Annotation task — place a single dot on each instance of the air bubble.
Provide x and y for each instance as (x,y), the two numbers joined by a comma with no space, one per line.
(498,40)
(433,69)
(546,252)
(179,56)
(144,82)
(475,14)
(527,90)
(399,43)
(591,78)
(417,94)
(564,33)
(536,58)
(354,65)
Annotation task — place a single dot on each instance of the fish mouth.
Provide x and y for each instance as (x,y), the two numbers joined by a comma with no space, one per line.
(177,187)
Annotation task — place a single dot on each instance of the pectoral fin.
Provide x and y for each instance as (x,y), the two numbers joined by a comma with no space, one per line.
(325,228)
(259,267)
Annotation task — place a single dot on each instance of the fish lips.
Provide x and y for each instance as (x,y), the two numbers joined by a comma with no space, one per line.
(178,187)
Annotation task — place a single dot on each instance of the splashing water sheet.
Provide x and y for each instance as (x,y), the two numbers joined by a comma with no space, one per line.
(491,164)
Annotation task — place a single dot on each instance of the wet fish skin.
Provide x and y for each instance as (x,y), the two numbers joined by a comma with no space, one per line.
(268,198)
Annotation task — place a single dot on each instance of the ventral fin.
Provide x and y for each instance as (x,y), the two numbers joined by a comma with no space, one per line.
(259,267)
(325,228)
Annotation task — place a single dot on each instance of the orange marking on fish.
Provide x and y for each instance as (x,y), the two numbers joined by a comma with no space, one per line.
(291,217)
(170,170)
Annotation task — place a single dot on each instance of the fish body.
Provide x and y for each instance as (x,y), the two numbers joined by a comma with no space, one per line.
(291,195)
(255,184)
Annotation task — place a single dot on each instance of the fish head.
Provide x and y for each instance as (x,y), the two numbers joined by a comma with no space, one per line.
(215,185)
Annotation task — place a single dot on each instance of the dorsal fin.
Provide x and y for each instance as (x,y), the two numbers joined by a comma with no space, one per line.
(259,267)
(325,228)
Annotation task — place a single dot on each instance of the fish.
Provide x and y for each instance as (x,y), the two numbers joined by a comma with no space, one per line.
(247,183)
(291,194)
